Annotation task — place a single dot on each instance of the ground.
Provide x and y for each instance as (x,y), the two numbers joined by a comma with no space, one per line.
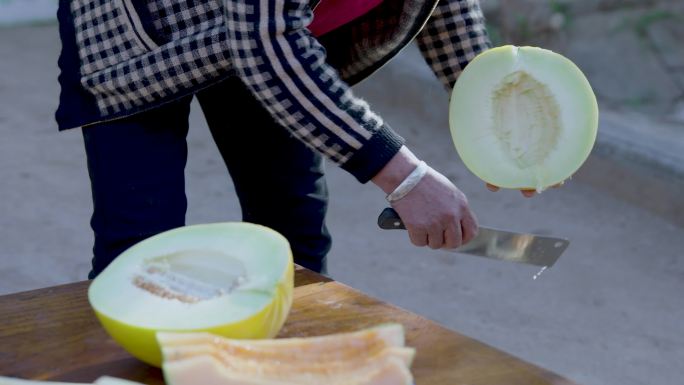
(609,312)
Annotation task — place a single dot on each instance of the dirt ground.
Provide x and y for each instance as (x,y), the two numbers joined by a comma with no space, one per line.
(609,312)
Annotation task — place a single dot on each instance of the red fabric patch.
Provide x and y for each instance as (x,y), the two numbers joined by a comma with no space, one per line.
(331,14)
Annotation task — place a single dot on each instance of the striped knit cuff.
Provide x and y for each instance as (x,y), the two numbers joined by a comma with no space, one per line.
(374,155)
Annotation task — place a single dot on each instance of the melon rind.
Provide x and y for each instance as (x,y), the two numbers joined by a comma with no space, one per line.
(471,116)
(372,356)
(141,341)
(105,380)
(21,381)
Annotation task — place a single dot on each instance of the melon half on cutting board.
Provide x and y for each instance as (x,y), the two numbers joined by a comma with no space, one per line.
(523,117)
(105,380)
(229,279)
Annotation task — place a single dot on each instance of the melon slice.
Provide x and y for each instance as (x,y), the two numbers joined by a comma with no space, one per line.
(299,358)
(20,381)
(523,117)
(229,279)
(358,342)
(100,381)
(208,370)
(369,357)
(106,380)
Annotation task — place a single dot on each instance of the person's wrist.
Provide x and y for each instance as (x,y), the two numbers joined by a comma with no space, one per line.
(408,184)
(396,170)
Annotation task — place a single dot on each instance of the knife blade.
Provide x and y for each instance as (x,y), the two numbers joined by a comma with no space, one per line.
(538,250)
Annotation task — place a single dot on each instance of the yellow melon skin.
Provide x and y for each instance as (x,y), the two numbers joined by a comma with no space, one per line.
(105,380)
(140,341)
(21,381)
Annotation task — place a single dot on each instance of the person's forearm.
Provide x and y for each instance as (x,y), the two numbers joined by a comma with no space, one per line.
(452,37)
(285,68)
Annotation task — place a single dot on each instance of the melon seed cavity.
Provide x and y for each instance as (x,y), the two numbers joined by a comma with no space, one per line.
(191,276)
(526,119)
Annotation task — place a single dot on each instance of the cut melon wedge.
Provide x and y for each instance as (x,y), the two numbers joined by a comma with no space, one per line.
(20,381)
(298,359)
(106,380)
(229,279)
(208,370)
(369,357)
(523,117)
(358,342)
(100,381)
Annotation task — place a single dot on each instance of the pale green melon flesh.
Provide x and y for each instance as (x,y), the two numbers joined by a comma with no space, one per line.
(20,381)
(523,117)
(105,380)
(198,278)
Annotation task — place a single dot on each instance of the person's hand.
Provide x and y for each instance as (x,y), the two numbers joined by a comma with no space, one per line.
(524,192)
(435,212)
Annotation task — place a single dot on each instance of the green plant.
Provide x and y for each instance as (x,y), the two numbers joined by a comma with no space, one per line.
(641,23)
(494,33)
(561,7)
(523,30)
(638,101)
(646,20)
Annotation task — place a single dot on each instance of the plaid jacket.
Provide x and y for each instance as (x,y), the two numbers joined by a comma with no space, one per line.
(136,54)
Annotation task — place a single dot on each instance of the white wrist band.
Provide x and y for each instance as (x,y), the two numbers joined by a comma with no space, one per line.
(409,183)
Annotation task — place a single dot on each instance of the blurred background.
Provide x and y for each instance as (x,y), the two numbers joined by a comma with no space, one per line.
(609,312)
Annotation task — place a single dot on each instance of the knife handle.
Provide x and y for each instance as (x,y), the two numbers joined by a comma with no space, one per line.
(389,220)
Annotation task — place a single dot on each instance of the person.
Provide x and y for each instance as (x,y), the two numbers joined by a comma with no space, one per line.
(274,88)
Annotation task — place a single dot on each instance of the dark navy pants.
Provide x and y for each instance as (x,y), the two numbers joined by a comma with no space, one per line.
(136,165)
(136,168)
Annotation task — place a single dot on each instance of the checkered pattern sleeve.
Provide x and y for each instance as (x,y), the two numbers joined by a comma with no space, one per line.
(452,37)
(285,68)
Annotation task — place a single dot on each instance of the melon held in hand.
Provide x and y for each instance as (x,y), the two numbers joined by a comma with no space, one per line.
(230,279)
(523,117)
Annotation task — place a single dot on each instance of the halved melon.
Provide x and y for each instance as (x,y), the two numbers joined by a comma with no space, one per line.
(21,381)
(105,380)
(523,117)
(370,357)
(229,279)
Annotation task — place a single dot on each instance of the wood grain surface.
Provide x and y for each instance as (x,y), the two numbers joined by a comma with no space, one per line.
(52,334)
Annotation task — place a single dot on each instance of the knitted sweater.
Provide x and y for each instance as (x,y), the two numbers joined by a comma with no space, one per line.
(135,55)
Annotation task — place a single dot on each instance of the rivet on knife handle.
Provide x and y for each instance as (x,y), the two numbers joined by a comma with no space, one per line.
(389,220)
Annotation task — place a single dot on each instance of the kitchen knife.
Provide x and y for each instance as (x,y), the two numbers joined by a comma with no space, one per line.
(531,249)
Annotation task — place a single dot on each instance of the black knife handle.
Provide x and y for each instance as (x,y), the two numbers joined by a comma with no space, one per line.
(389,220)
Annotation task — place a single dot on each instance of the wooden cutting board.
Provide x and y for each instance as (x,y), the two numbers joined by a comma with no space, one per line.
(52,334)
